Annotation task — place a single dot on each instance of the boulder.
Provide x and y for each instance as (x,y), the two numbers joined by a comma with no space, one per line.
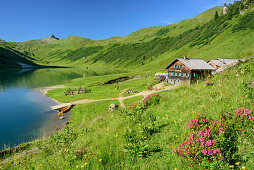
(251,84)
(113,107)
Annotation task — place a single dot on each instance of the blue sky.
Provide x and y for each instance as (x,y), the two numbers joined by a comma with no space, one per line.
(23,20)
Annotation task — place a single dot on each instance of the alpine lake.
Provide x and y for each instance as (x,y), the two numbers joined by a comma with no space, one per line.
(25,112)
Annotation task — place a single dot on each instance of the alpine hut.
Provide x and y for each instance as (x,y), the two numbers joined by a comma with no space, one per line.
(184,71)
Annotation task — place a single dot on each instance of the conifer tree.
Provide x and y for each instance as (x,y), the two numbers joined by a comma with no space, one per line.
(216,16)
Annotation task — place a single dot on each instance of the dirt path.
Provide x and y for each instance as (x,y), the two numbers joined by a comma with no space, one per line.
(120,98)
(144,93)
(157,88)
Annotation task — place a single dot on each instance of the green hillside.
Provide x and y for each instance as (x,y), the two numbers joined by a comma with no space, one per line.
(71,50)
(203,36)
(9,58)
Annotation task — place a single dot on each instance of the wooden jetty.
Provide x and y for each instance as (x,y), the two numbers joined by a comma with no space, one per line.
(60,106)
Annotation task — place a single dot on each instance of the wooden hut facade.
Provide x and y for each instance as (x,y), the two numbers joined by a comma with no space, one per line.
(184,71)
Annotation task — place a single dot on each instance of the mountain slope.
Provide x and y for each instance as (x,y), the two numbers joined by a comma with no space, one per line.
(59,51)
(203,37)
(10,58)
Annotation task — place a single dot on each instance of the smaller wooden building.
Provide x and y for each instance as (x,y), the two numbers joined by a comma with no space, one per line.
(220,62)
(184,71)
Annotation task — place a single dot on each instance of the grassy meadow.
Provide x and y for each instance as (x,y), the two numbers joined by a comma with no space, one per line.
(99,91)
(145,138)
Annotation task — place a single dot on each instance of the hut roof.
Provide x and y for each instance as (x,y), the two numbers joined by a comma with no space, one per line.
(221,62)
(193,64)
(217,63)
(226,60)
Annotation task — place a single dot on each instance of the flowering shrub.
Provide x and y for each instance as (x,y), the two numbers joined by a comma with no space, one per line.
(151,100)
(208,83)
(214,142)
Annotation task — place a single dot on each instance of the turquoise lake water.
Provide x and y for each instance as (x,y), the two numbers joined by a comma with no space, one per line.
(25,112)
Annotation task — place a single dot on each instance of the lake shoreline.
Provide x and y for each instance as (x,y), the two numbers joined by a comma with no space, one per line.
(44,91)
(47,128)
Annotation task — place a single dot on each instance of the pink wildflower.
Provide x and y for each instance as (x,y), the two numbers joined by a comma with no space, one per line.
(180,146)
(251,117)
(202,144)
(180,152)
(200,133)
(209,143)
(204,151)
(201,139)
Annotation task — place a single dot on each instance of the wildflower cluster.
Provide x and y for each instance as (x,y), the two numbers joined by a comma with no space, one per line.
(214,141)
(84,152)
(151,100)
(208,83)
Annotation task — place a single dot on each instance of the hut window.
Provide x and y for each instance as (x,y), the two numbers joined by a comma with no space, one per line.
(187,75)
(175,74)
(180,74)
(184,74)
(174,66)
(172,74)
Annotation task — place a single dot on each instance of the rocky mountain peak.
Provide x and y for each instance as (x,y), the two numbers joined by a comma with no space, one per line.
(50,38)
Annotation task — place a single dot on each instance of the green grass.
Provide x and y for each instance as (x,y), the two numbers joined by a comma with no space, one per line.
(99,91)
(132,100)
(105,139)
